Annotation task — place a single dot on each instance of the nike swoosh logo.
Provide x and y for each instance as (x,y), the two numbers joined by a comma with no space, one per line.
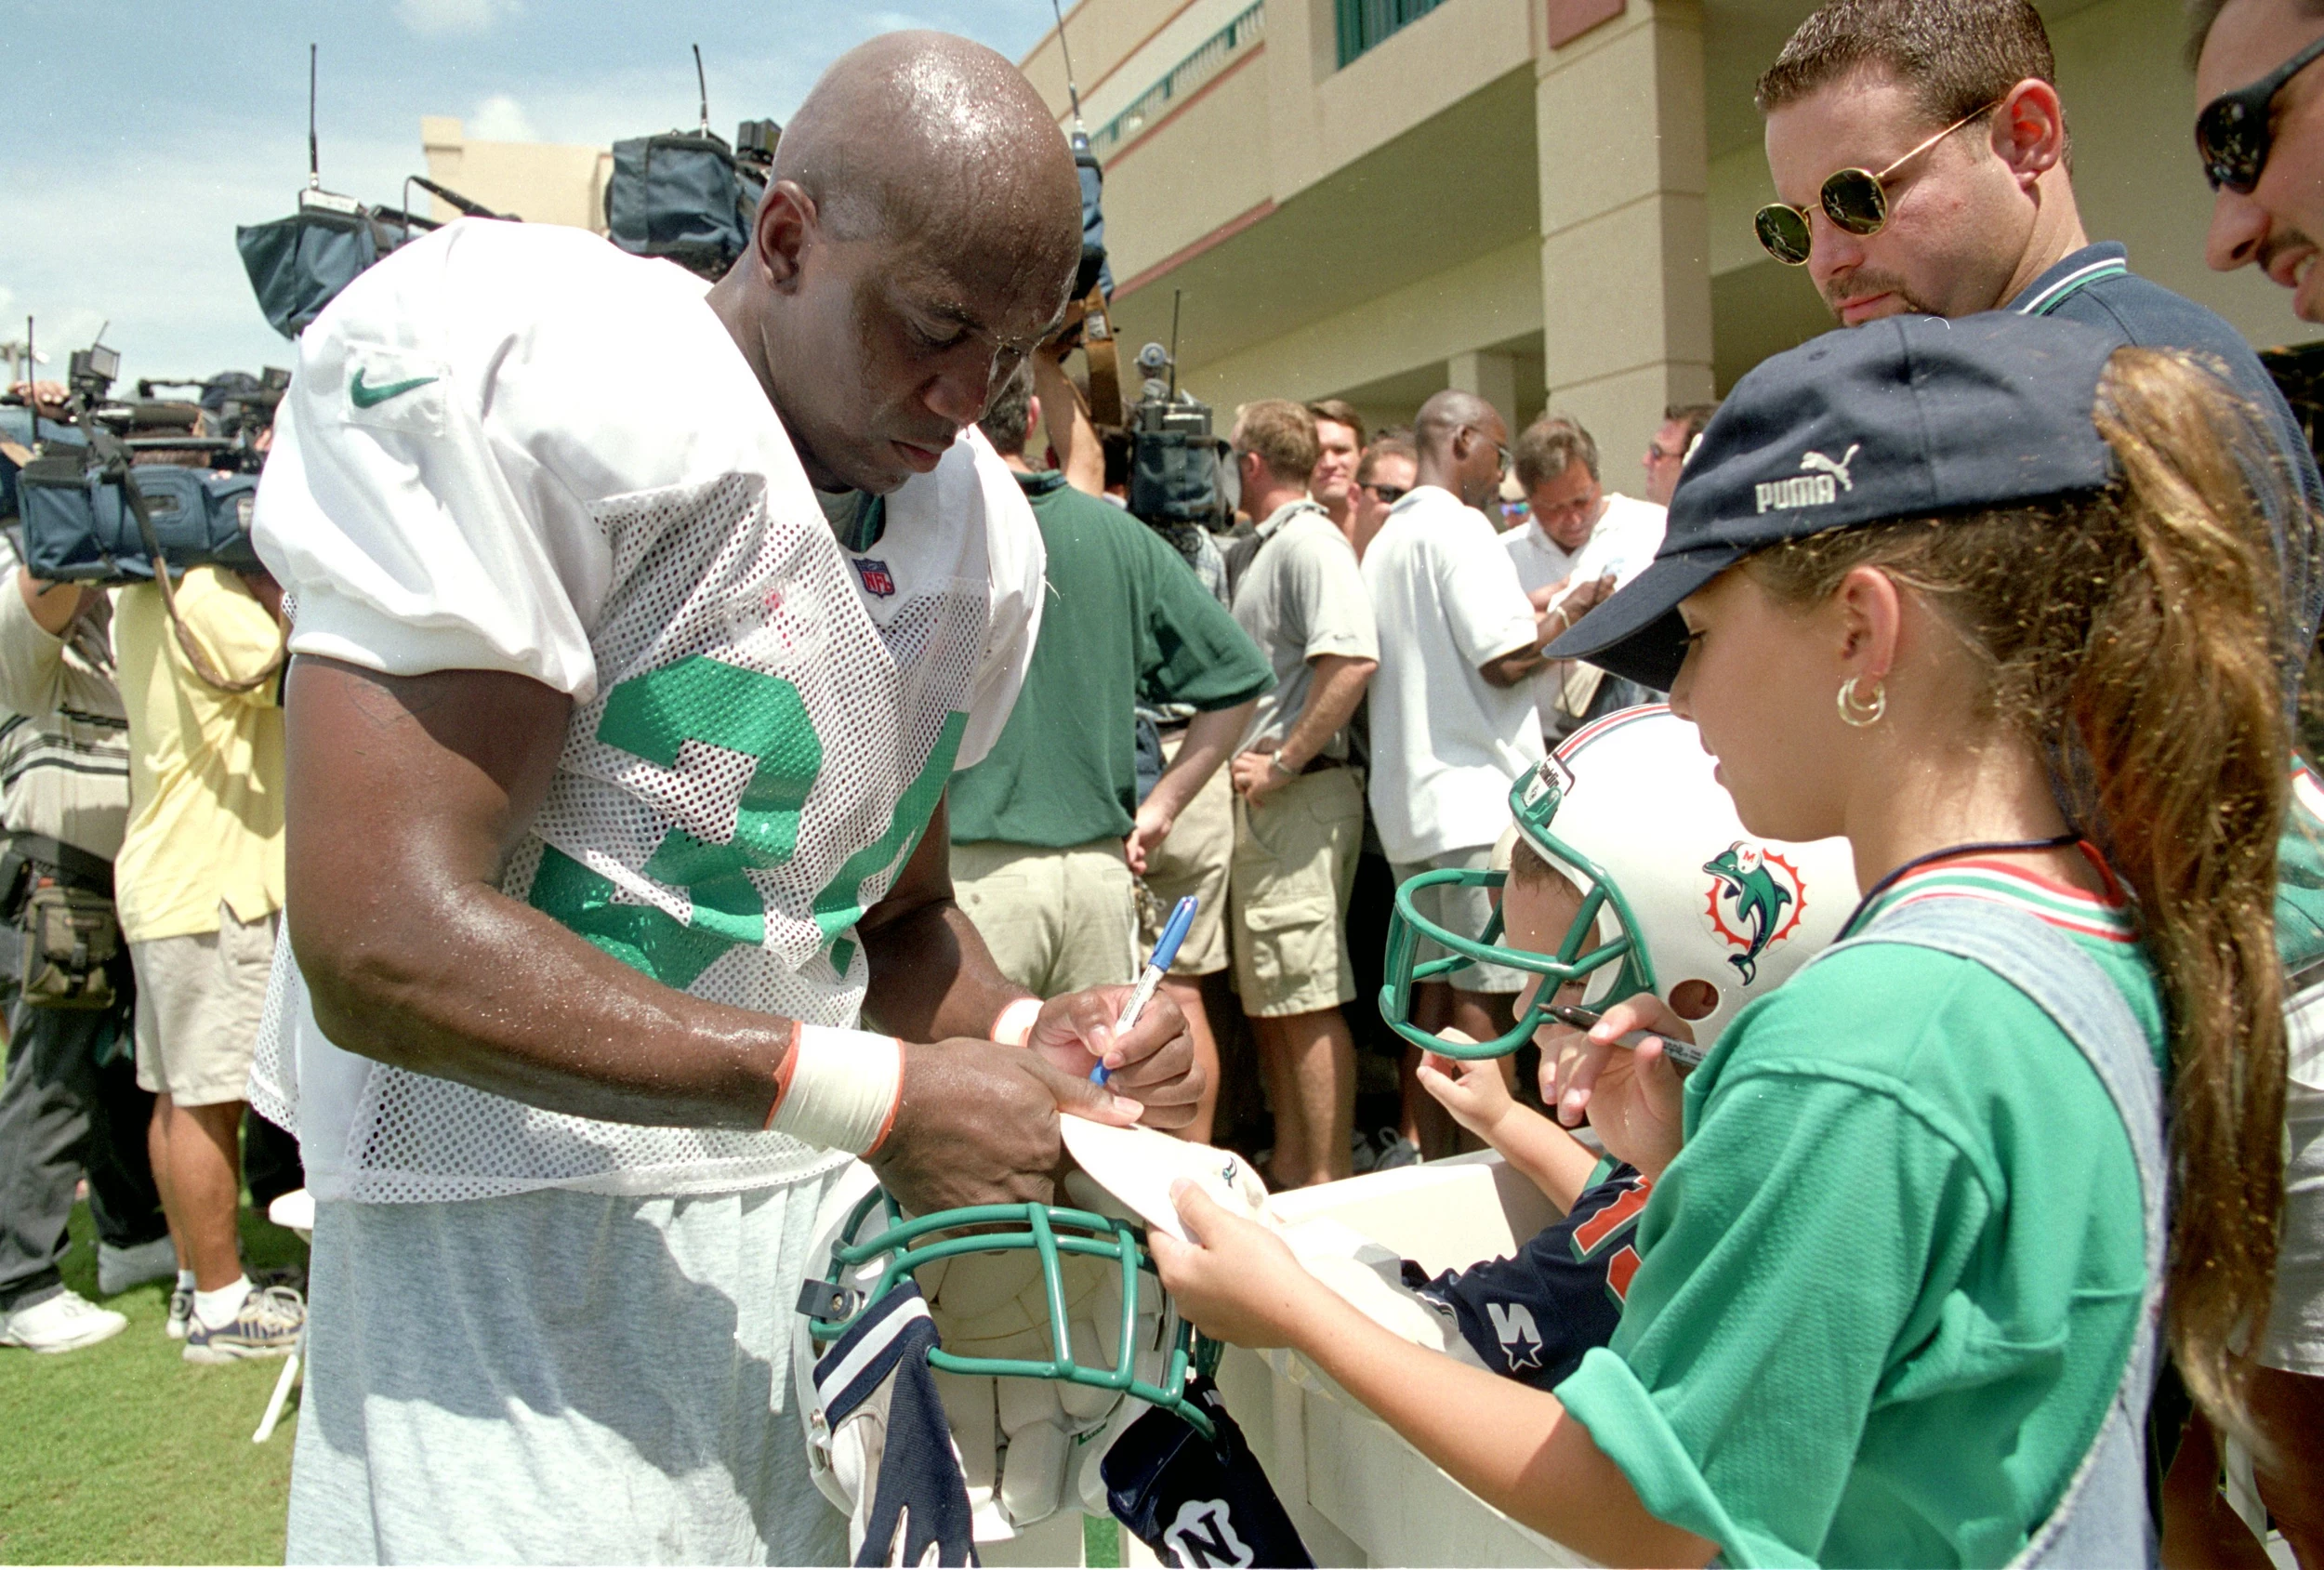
(365,397)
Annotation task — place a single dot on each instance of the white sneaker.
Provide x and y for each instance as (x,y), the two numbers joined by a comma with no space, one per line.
(64,1323)
(120,1269)
(180,1312)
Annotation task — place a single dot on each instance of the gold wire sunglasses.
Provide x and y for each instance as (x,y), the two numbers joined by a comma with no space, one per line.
(1855,200)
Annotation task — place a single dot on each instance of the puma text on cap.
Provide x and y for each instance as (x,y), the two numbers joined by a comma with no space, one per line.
(1900,418)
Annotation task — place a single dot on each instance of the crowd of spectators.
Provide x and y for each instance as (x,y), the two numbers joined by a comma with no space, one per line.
(1381,686)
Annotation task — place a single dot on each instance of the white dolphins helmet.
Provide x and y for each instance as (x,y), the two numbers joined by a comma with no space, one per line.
(1054,1334)
(1673,888)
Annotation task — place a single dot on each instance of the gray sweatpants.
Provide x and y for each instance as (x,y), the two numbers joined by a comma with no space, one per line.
(559,1377)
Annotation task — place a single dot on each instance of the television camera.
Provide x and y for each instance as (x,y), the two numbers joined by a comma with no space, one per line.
(1178,472)
(134,484)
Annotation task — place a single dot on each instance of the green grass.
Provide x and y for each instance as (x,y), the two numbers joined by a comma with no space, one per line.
(125,1453)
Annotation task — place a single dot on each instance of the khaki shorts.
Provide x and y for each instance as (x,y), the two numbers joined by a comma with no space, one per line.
(1294,866)
(1456,909)
(1193,858)
(199,998)
(1057,921)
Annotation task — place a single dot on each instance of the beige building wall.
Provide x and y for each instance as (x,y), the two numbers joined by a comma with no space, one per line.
(540,183)
(1466,205)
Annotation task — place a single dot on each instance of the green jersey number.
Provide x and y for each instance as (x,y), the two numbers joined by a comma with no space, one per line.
(700,699)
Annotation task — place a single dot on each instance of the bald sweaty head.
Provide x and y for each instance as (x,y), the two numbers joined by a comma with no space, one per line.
(918,240)
(919,136)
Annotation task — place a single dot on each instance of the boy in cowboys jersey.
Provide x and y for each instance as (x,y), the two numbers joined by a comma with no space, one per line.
(639,630)
(1532,1316)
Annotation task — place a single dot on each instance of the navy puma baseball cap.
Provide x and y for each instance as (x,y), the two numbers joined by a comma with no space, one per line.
(1903,418)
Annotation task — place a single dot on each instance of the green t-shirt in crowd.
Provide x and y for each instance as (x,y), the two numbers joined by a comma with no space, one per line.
(1124,619)
(1887,1289)
(2300,876)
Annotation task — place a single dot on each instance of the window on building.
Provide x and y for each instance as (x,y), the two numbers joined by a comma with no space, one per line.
(1365,22)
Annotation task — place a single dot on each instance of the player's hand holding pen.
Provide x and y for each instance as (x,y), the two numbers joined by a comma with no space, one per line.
(1136,1035)
(1630,1094)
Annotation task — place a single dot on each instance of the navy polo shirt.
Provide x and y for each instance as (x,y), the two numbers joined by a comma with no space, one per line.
(2095,285)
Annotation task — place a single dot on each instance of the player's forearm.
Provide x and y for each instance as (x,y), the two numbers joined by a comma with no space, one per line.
(481,989)
(1210,738)
(1338,687)
(932,976)
(402,796)
(1514,1446)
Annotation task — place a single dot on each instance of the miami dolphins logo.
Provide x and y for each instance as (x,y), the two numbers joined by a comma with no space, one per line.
(1756,900)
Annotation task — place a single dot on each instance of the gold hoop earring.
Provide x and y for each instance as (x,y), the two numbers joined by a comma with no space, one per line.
(1856,711)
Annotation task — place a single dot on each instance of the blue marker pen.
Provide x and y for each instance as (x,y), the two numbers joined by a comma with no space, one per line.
(1165,950)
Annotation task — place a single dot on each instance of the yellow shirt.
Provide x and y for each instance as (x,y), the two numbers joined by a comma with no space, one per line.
(206,767)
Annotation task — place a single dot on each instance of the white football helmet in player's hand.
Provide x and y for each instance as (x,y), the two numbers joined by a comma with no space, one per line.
(1053,1331)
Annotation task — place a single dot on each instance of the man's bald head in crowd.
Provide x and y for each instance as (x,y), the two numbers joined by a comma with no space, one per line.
(919,238)
(1461,439)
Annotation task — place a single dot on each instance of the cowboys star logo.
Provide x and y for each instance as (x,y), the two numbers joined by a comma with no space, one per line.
(1756,898)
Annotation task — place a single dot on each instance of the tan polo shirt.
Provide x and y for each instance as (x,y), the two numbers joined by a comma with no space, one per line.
(1301,597)
(206,767)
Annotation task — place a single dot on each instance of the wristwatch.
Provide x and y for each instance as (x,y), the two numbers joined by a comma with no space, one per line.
(1274,761)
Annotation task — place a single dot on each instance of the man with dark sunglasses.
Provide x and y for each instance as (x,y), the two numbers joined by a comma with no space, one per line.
(2261,139)
(1918,152)
(2260,136)
(1382,478)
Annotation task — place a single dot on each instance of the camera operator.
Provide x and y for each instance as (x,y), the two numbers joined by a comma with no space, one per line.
(199,890)
(71,1104)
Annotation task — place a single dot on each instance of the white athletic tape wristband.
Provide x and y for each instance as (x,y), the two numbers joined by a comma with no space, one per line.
(1013,1025)
(840,1090)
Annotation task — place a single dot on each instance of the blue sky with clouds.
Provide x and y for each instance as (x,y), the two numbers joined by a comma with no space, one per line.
(138,133)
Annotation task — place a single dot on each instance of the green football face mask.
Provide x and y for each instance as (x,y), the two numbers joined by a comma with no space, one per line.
(1580,956)
(877,1247)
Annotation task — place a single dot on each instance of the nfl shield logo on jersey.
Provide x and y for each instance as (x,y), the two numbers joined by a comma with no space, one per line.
(877,580)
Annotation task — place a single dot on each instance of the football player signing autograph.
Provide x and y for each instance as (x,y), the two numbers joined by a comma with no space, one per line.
(640,626)
(1900,1267)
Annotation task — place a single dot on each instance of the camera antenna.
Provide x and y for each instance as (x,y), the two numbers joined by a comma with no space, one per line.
(1176,295)
(314,157)
(1057,11)
(703,83)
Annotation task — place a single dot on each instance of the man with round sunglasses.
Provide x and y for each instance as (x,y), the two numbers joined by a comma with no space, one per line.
(1936,133)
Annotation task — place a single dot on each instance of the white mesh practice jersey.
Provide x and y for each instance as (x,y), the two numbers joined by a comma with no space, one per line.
(515,448)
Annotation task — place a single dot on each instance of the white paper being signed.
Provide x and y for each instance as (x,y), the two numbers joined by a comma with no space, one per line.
(1138,1166)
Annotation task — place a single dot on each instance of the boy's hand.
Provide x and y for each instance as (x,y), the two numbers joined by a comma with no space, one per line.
(1474,1090)
(1237,1281)
(1631,1098)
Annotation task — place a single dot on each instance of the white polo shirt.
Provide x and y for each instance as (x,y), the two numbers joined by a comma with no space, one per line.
(1628,534)
(1447,743)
